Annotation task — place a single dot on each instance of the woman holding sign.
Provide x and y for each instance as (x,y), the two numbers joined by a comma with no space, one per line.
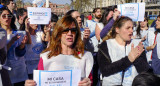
(66,51)
(15,49)
(34,45)
(118,59)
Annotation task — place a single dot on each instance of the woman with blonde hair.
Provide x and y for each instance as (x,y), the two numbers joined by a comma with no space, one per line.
(118,59)
(66,51)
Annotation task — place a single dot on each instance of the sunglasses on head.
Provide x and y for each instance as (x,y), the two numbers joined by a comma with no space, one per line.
(6,16)
(73,30)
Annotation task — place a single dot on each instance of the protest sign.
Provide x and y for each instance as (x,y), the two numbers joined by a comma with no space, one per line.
(135,11)
(57,78)
(39,15)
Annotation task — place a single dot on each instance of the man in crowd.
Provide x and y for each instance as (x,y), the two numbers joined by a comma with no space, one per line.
(11,5)
(92,45)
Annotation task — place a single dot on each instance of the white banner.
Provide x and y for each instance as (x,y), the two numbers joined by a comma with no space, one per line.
(39,15)
(136,11)
(57,78)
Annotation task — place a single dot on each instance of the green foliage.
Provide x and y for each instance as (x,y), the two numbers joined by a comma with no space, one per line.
(150,22)
(81,4)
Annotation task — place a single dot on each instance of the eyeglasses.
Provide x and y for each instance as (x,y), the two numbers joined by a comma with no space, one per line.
(73,30)
(6,16)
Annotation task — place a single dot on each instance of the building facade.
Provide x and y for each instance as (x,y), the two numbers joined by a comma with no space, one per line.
(59,9)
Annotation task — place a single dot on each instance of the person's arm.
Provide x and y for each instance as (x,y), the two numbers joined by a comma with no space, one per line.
(155,61)
(108,68)
(141,63)
(107,28)
(20,50)
(97,32)
(148,48)
(3,38)
(86,35)
(27,31)
(11,42)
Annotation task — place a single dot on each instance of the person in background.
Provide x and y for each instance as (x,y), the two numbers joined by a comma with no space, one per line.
(154,46)
(106,16)
(152,40)
(34,45)
(118,59)
(20,15)
(54,19)
(15,48)
(4,76)
(66,51)
(92,44)
(89,17)
(110,23)
(142,30)
(11,6)
(146,79)
(82,17)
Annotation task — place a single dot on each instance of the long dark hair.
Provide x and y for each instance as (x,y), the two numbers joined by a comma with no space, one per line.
(139,27)
(105,14)
(13,26)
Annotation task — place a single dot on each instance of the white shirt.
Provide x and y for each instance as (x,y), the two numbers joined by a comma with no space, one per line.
(69,62)
(117,52)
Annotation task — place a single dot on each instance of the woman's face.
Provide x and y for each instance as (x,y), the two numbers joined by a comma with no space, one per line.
(68,36)
(33,26)
(143,23)
(126,31)
(5,18)
(158,23)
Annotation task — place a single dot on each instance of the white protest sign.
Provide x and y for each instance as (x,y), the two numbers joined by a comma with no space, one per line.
(39,15)
(135,11)
(57,78)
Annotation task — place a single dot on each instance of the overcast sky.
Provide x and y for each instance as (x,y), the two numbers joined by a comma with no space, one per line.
(53,1)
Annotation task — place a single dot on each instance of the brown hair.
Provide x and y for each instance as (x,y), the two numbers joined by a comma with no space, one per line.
(117,24)
(55,42)
(95,9)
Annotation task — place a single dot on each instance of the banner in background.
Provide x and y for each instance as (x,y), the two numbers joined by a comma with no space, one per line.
(136,11)
(39,15)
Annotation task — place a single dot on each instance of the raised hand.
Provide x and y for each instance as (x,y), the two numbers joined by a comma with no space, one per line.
(152,47)
(86,33)
(15,38)
(85,82)
(116,14)
(25,39)
(47,28)
(27,25)
(135,52)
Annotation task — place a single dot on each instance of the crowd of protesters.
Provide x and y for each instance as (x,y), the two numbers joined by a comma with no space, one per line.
(109,50)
